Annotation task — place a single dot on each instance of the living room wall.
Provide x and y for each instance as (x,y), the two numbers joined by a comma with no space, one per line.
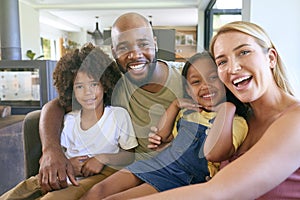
(281,20)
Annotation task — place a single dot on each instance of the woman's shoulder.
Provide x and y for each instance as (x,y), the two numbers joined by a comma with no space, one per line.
(292,111)
(289,119)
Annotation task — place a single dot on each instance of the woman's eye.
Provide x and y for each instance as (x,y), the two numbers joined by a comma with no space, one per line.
(220,63)
(244,52)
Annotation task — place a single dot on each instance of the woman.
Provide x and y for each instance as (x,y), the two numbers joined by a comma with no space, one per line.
(269,161)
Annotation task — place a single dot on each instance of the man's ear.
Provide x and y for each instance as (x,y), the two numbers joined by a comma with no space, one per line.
(155,39)
(155,43)
(113,52)
(273,57)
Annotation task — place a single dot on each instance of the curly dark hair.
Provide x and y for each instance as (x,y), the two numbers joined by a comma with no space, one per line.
(91,60)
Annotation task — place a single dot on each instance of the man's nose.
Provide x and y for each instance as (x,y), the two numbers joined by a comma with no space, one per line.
(135,53)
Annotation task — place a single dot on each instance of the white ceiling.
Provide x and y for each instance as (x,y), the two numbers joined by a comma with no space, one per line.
(74,15)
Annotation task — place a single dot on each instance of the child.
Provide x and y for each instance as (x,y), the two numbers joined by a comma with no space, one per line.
(97,135)
(208,131)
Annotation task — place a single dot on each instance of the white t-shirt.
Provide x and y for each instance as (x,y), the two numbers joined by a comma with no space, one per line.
(114,129)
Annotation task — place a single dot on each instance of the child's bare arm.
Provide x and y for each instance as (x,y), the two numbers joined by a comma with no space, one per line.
(122,158)
(219,144)
(91,167)
(95,164)
(166,123)
(163,132)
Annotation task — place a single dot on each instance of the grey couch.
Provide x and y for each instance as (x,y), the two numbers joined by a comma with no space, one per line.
(32,143)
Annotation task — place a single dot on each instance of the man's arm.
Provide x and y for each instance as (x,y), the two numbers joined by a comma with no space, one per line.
(54,166)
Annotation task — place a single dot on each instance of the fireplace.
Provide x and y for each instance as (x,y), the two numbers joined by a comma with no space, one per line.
(26,85)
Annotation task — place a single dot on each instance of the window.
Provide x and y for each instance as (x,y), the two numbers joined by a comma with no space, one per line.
(49,49)
(46,48)
(218,13)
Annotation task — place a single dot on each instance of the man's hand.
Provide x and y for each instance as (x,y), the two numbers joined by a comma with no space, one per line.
(54,170)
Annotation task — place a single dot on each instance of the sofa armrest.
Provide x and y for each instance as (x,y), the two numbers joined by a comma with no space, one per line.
(32,143)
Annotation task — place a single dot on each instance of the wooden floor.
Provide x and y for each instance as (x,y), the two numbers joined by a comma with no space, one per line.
(11,152)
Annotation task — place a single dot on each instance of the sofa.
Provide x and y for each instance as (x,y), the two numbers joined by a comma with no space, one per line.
(32,143)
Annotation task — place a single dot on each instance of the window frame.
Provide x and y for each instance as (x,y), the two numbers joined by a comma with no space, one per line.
(209,16)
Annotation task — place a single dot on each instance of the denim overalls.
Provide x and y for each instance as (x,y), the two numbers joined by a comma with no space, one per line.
(180,164)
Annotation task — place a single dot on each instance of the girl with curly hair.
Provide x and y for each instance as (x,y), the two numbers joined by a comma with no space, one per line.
(96,137)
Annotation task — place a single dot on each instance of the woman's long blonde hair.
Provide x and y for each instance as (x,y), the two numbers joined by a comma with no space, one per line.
(262,38)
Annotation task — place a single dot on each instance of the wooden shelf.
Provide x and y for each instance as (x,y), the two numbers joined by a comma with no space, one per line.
(185,51)
(185,44)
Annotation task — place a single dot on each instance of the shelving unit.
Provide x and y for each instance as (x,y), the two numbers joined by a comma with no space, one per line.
(174,43)
(185,41)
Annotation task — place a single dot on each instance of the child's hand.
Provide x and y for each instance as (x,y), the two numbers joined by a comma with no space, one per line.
(91,166)
(188,104)
(154,139)
(77,163)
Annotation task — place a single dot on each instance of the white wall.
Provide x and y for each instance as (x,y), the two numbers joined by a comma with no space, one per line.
(29,30)
(80,37)
(281,21)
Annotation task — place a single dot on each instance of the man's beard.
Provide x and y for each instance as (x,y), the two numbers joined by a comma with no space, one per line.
(146,80)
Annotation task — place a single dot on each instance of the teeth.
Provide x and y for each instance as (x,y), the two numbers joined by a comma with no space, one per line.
(136,67)
(236,81)
(90,100)
(209,95)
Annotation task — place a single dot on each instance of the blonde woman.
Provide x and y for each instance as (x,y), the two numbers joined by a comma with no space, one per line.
(267,164)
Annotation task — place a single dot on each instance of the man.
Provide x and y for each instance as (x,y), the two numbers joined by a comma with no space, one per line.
(147,88)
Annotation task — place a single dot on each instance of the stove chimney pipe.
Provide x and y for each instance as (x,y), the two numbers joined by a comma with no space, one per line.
(10,30)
